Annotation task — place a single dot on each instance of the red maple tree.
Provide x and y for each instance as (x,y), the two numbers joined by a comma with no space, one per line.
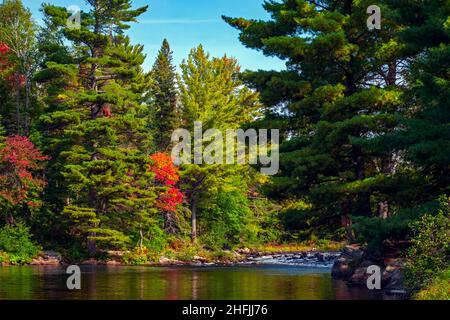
(165,171)
(170,199)
(18,159)
(7,69)
(166,174)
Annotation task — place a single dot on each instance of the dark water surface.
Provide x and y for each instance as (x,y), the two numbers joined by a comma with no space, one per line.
(271,282)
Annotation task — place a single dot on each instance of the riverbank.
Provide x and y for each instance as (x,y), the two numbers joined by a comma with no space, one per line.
(307,253)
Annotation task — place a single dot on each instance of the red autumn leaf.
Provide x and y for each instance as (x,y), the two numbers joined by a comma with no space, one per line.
(18,158)
(169,200)
(106,111)
(165,171)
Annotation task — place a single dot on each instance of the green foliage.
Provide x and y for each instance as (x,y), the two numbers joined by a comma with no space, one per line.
(327,100)
(186,253)
(364,120)
(374,230)
(225,219)
(430,250)
(439,289)
(211,92)
(19,95)
(163,98)
(140,256)
(16,246)
(95,128)
(4,257)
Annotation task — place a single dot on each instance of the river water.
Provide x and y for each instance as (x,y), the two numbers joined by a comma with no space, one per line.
(272,282)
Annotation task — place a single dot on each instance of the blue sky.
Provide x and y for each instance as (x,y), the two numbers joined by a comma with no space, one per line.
(187,23)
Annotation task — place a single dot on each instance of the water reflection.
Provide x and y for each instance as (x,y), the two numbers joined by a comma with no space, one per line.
(172,283)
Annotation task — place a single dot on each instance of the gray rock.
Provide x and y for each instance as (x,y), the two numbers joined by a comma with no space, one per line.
(346,263)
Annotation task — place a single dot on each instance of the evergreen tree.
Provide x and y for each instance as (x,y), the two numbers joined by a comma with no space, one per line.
(423,135)
(340,86)
(95,127)
(212,93)
(163,97)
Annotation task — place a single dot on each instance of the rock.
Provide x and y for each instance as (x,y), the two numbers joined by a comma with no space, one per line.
(346,263)
(359,276)
(47,258)
(198,259)
(395,282)
(393,264)
(164,260)
(113,263)
(244,250)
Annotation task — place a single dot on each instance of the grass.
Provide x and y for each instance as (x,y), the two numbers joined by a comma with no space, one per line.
(439,289)
(320,245)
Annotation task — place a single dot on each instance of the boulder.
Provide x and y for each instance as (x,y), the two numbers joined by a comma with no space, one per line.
(346,263)
(199,259)
(395,281)
(47,258)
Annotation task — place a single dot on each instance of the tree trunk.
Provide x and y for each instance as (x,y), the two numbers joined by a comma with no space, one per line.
(346,222)
(10,219)
(141,238)
(91,245)
(18,108)
(363,207)
(27,106)
(194,220)
(383,209)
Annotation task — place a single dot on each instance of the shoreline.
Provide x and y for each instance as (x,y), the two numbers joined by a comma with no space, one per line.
(311,257)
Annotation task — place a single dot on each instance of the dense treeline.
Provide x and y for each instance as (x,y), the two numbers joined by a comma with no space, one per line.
(99,175)
(364,119)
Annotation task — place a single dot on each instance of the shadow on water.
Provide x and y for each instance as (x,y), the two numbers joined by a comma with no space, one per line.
(170,283)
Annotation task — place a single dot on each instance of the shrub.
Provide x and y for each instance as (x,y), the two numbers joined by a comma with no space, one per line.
(187,253)
(429,253)
(16,242)
(4,257)
(439,289)
(140,256)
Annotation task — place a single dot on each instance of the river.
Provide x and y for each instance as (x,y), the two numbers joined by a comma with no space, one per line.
(271,282)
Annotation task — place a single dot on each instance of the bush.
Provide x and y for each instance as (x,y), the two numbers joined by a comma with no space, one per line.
(216,237)
(429,253)
(140,256)
(439,289)
(4,257)
(16,242)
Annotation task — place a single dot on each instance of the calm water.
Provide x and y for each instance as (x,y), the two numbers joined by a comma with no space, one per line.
(239,282)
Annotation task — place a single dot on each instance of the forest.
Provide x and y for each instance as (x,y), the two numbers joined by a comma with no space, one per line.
(363,116)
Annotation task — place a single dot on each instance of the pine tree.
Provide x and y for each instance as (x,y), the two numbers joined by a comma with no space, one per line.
(95,127)
(423,134)
(340,86)
(163,97)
